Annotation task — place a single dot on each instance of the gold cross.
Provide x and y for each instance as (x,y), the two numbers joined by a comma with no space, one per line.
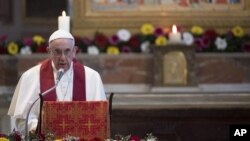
(63,125)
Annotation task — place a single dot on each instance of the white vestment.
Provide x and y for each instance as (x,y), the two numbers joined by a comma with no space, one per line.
(28,89)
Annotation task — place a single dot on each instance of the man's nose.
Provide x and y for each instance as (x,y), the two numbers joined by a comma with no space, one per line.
(63,56)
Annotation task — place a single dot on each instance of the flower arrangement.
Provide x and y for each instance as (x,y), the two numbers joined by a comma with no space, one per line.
(28,45)
(205,40)
(16,136)
(149,137)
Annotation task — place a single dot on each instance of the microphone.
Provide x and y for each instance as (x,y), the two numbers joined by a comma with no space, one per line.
(58,78)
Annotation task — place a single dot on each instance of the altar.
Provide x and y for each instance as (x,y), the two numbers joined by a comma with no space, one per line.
(218,99)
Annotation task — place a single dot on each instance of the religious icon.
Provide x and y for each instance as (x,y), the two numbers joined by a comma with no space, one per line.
(175,68)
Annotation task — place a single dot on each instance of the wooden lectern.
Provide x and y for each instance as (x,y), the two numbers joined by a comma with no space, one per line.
(84,119)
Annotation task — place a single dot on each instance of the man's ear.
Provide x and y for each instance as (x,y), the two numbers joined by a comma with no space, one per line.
(48,49)
(76,49)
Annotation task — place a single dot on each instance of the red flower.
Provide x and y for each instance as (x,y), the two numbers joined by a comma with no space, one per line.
(211,34)
(28,41)
(206,41)
(134,42)
(3,50)
(42,49)
(101,40)
(3,38)
(3,135)
(158,31)
(134,138)
(246,47)
(126,49)
(16,136)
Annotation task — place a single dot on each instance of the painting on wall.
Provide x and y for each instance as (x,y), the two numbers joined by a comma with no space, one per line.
(165,5)
(131,14)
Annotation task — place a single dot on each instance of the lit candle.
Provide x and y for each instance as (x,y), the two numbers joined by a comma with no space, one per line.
(175,36)
(64,22)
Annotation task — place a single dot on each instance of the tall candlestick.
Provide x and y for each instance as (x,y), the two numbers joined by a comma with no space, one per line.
(175,36)
(64,22)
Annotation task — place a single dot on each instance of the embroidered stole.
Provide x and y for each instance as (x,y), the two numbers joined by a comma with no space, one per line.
(47,81)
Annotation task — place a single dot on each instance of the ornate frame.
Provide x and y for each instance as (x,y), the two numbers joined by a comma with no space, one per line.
(86,21)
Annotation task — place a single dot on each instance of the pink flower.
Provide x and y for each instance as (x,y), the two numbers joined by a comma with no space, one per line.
(86,41)
(126,49)
(199,44)
(28,41)
(3,38)
(114,40)
(134,138)
(158,31)
(206,41)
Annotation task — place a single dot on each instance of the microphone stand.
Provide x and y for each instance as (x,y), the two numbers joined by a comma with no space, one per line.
(29,110)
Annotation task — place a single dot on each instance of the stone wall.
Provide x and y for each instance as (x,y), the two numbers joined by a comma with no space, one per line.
(139,68)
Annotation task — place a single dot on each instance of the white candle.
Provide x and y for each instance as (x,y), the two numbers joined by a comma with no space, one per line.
(64,22)
(175,36)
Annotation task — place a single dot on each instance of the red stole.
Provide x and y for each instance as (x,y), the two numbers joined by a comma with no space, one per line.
(47,81)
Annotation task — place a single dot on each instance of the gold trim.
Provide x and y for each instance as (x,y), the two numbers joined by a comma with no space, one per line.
(86,21)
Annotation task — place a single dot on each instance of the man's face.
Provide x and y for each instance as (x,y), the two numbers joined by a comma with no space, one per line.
(62,52)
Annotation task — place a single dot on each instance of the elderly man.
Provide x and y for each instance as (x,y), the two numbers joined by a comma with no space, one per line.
(79,83)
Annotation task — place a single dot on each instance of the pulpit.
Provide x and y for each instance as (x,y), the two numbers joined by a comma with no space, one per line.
(86,120)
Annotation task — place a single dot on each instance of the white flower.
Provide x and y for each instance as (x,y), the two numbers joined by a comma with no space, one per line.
(25,50)
(188,38)
(145,47)
(93,50)
(220,43)
(124,35)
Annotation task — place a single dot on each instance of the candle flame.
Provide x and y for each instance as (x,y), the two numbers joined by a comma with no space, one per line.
(63,13)
(174,29)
